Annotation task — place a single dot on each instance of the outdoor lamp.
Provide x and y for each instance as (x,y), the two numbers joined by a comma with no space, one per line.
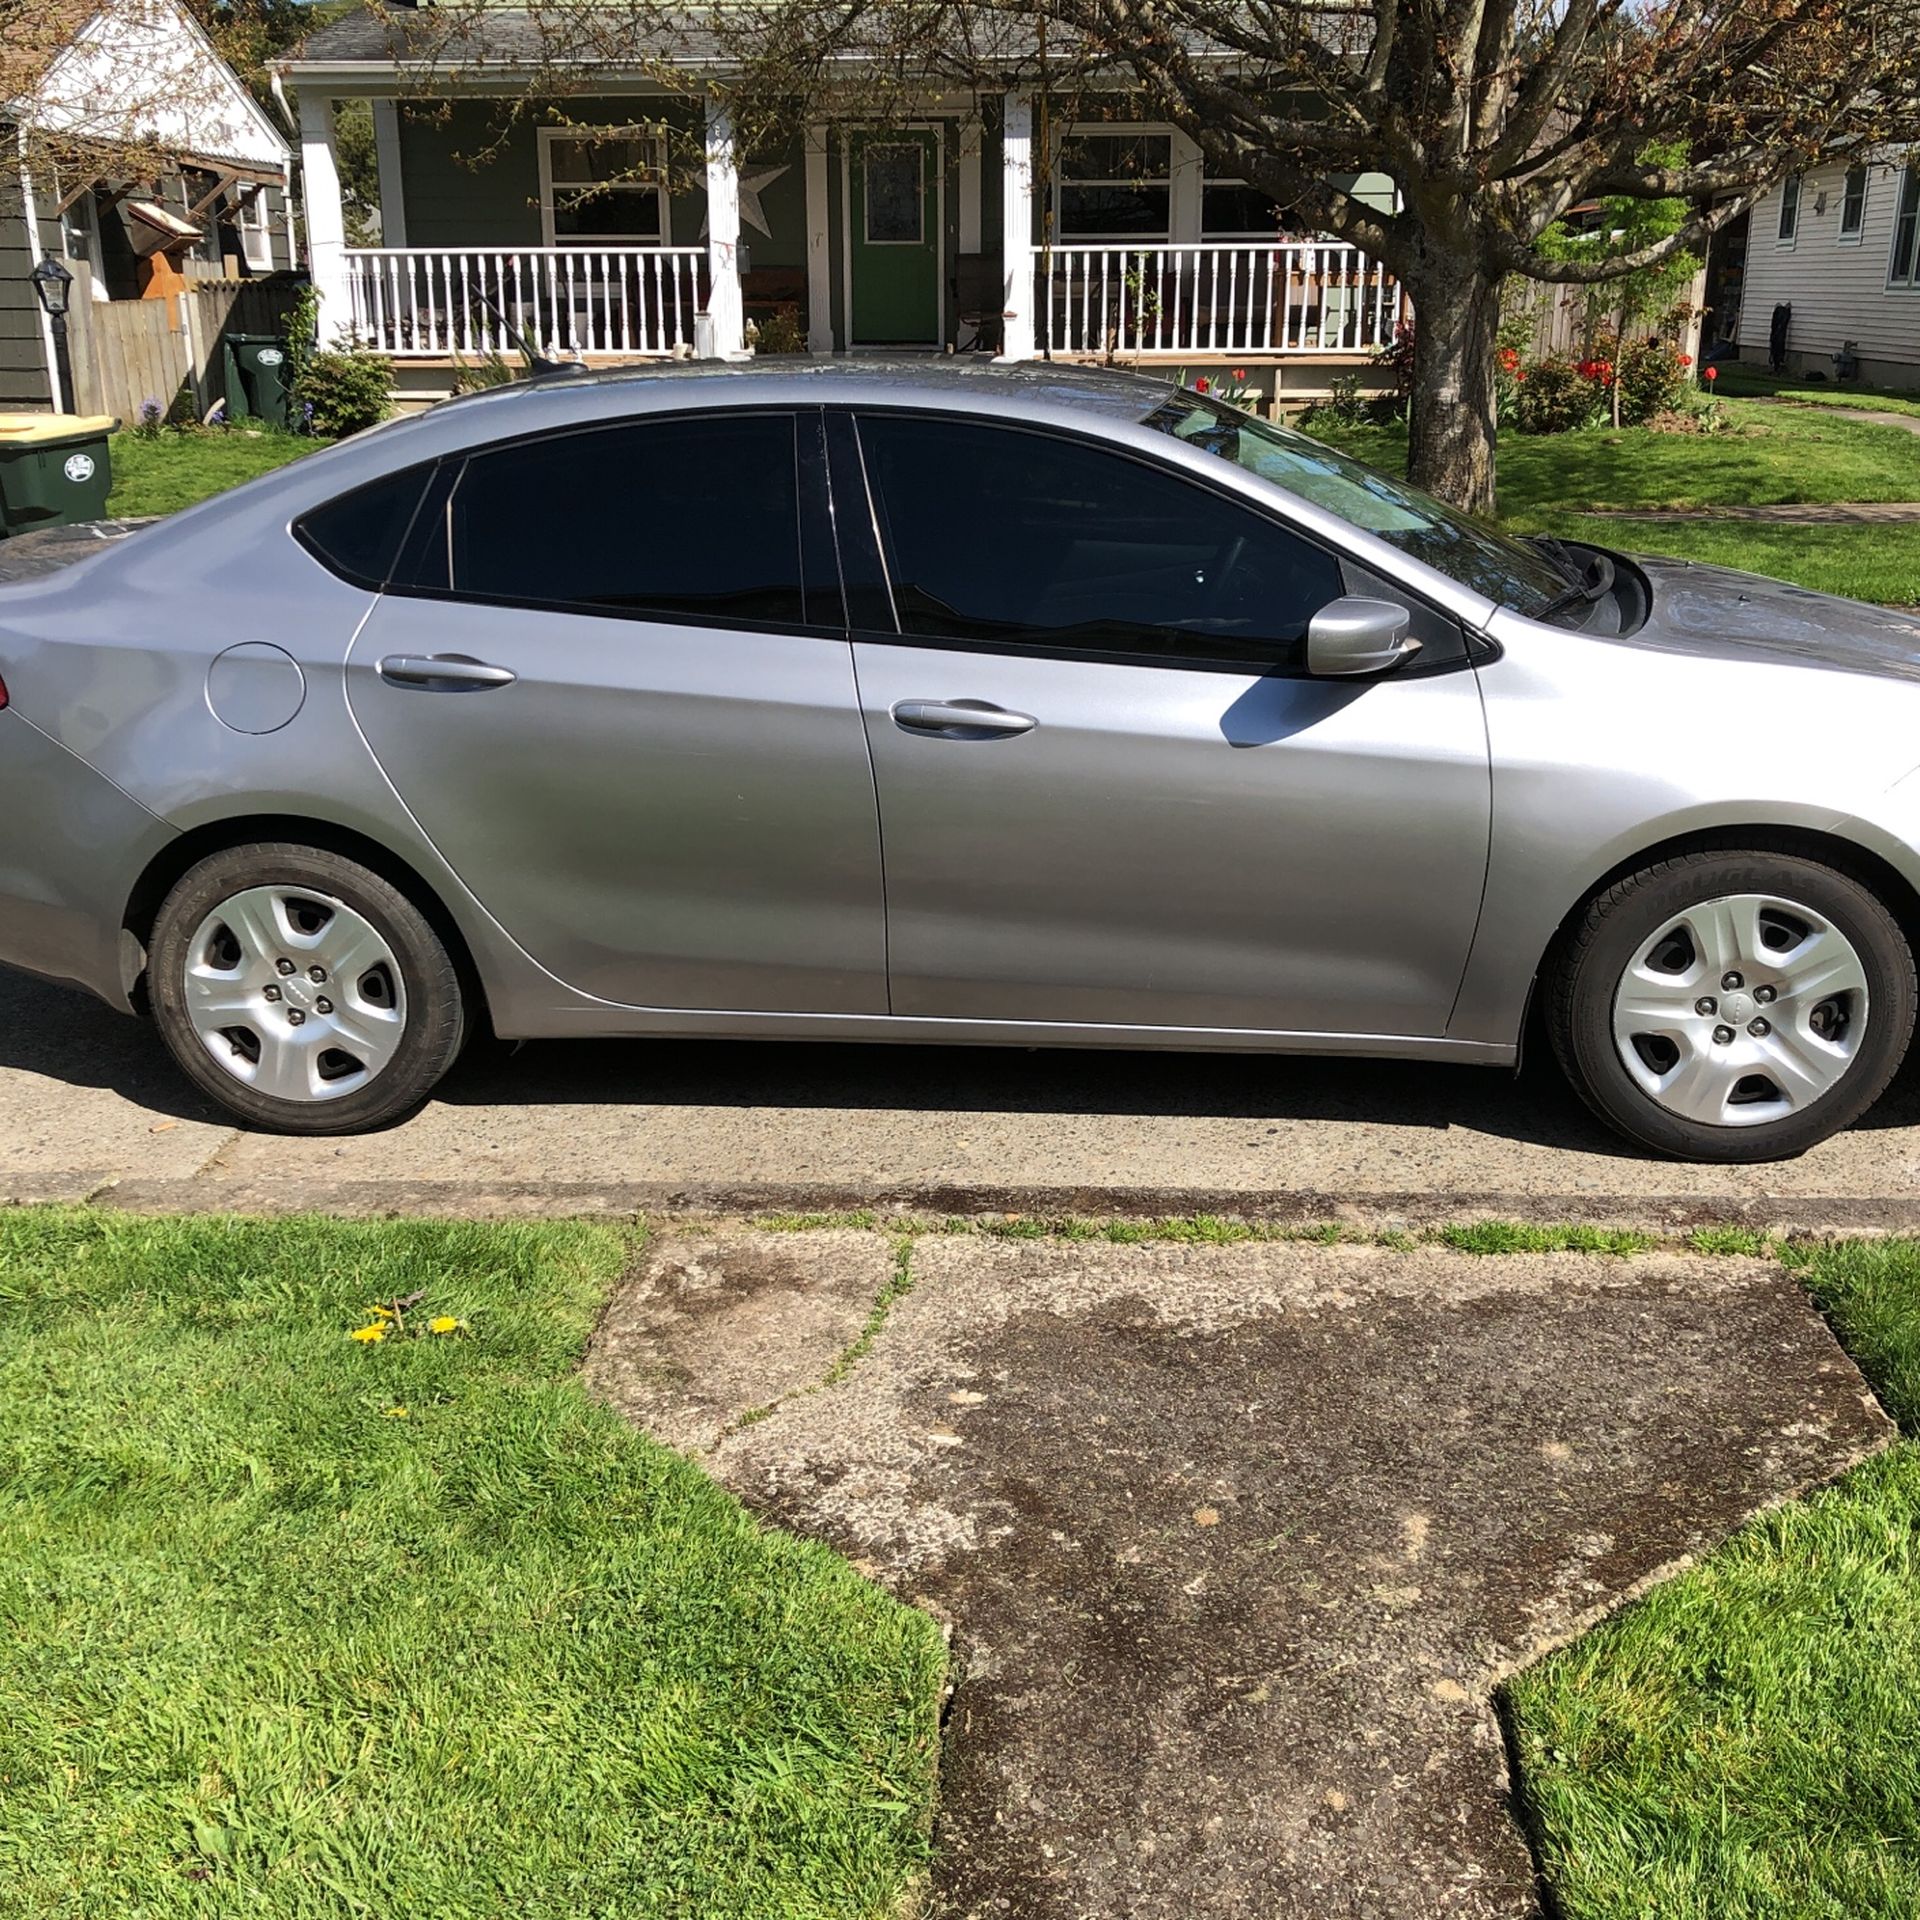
(52,282)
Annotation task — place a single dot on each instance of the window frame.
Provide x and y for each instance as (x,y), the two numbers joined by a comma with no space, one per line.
(253,221)
(919,151)
(814,547)
(550,235)
(1787,229)
(1907,215)
(1851,236)
(1272,231)
(860,525)
(1113,129)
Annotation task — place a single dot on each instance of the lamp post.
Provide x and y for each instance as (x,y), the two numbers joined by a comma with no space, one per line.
(53,283)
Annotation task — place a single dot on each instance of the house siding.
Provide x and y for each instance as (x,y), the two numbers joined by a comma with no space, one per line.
(470,175)
(1838,289)
(23,356)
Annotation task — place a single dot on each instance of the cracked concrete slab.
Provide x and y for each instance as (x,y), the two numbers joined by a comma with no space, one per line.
(715,1326)
(1236,1542)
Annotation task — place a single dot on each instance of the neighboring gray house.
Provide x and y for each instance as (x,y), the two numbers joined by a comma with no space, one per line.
(1840,245)
(190,183)
(965,227)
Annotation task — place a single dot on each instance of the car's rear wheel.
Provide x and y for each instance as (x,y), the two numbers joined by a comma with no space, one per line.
(305,993)
(1733,1006)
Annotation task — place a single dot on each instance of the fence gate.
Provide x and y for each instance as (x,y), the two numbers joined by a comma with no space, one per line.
(127,352)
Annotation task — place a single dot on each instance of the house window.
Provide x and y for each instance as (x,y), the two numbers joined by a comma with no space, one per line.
(1232,210)
(1906,227)
(1115,184)
(80,231)
(255,223)
(599,187)
(1853,204)
(1789,209)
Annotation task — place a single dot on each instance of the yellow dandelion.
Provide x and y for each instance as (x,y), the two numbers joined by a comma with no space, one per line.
(383,1313)
(445,1323)
(396,1413)
(370,1334)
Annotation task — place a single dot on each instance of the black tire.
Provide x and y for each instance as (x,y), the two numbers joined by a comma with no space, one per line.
(435,1021)
(1583,982)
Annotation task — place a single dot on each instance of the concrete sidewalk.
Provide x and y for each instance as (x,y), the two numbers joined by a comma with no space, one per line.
(1235,1543)
(90,1105)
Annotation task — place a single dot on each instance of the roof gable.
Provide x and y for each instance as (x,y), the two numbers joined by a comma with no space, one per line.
(143,70)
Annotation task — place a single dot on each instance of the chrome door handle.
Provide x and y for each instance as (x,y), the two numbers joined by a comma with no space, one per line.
(959,717)
(443,672)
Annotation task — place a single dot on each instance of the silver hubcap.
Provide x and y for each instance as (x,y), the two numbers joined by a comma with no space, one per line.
(295,993)
(1741,1010)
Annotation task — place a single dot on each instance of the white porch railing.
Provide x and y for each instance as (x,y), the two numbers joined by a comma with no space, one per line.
(1214,297)
(432,302)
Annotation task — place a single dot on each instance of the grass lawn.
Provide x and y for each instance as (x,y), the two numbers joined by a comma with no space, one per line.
(1774,455)
(1740,379)
(176,469)
(276,1648)
(1744,1744)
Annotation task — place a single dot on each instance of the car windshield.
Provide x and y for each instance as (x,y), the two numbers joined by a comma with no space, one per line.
(1503,570)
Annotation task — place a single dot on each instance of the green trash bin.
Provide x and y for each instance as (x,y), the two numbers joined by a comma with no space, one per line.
(256,370)
(55,470)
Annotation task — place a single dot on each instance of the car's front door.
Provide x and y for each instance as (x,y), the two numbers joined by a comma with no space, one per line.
(616,691)
(1109,794)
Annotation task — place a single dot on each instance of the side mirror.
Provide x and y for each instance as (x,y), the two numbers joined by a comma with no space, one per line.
(1355,635)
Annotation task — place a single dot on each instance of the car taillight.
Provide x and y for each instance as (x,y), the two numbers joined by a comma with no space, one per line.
(3,693)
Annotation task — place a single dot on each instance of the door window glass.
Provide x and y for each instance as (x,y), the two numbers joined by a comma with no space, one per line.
(1002,536)
(690,518)
(894,197)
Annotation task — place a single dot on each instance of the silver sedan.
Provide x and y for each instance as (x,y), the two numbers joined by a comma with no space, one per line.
(948,703)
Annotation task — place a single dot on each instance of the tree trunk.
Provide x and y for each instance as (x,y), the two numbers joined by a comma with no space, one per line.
(1451,419)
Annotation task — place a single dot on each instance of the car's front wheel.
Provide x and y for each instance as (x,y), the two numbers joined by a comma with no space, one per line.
(302,991)
(1732,1006)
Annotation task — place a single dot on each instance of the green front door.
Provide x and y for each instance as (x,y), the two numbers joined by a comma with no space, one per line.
(893,238)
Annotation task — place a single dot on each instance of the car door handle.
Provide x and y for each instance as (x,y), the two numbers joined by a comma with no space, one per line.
(443,672)
(959,717)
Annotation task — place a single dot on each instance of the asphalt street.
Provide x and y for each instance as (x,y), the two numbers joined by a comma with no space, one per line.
(91,1105)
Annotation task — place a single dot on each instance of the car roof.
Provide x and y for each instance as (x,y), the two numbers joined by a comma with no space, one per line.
(882,378)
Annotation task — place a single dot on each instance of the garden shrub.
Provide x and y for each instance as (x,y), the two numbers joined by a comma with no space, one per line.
(342,393)
(1555,396)
(1654,378)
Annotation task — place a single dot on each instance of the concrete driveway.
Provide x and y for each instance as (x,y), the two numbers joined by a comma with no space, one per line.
(90,1104)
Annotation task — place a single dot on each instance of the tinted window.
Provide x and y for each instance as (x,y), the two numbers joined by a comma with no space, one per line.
(690,517)
(1489,563)
(359,534)
(993,533)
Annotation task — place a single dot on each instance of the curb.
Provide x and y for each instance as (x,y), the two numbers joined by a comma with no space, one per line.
(1302,1207)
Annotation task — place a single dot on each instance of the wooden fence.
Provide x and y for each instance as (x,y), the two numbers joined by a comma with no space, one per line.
(1559,317)
(127,352)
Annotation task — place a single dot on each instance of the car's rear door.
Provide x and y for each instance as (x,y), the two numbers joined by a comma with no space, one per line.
(613,684)
(1109,793)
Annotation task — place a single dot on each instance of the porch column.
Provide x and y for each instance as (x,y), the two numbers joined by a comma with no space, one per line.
(1016,227)
(724,307)
(819,249)
(326,223)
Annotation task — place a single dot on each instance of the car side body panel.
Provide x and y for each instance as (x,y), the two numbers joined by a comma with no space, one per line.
(1599,748)
(1606,748)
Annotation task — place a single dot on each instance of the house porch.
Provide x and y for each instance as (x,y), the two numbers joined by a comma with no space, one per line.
(636,228)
